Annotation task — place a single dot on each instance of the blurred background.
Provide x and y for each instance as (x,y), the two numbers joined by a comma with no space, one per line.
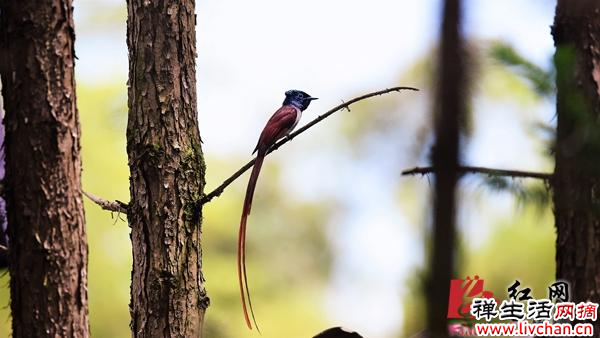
(337,236)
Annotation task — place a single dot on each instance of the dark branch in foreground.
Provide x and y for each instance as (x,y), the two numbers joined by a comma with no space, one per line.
(115,206)
(345,105)
(482,170)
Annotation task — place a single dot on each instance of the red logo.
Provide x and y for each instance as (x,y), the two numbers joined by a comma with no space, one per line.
(462,292)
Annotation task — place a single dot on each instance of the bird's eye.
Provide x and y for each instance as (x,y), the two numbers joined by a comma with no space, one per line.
(300,95)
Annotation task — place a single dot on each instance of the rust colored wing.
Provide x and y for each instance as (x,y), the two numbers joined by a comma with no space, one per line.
(278,126)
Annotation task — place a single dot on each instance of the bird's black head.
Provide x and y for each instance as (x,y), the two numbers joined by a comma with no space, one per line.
(298,99)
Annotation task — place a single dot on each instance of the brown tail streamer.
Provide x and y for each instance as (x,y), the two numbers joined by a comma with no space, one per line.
(241,256)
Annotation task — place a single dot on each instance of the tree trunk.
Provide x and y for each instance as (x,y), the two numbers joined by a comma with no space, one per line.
(48,249)
(168,298)
(447,114)
(576,183)
(3,232)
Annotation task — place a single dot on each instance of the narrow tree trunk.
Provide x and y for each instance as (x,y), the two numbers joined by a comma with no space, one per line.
(447,114)
(168,298)
(576,182)
(3,232)
(48,249)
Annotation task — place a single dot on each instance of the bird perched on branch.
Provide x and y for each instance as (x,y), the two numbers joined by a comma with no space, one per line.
(279,125)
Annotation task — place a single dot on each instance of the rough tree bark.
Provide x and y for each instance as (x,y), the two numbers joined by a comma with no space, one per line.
(166,164)
(48,249)
(447,114)
(576,182)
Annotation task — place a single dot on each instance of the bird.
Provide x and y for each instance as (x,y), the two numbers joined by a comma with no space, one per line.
(283,121)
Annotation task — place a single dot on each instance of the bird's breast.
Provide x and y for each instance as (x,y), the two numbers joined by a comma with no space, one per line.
(298,116)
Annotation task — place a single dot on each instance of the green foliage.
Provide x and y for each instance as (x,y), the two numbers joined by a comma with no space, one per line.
(541,80)
(534,194)
(520,247)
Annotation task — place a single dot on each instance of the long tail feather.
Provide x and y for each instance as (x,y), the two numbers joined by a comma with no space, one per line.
(241,256)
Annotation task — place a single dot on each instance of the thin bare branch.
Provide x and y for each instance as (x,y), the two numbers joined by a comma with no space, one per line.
(482,170)
(344,105)
(115,206)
